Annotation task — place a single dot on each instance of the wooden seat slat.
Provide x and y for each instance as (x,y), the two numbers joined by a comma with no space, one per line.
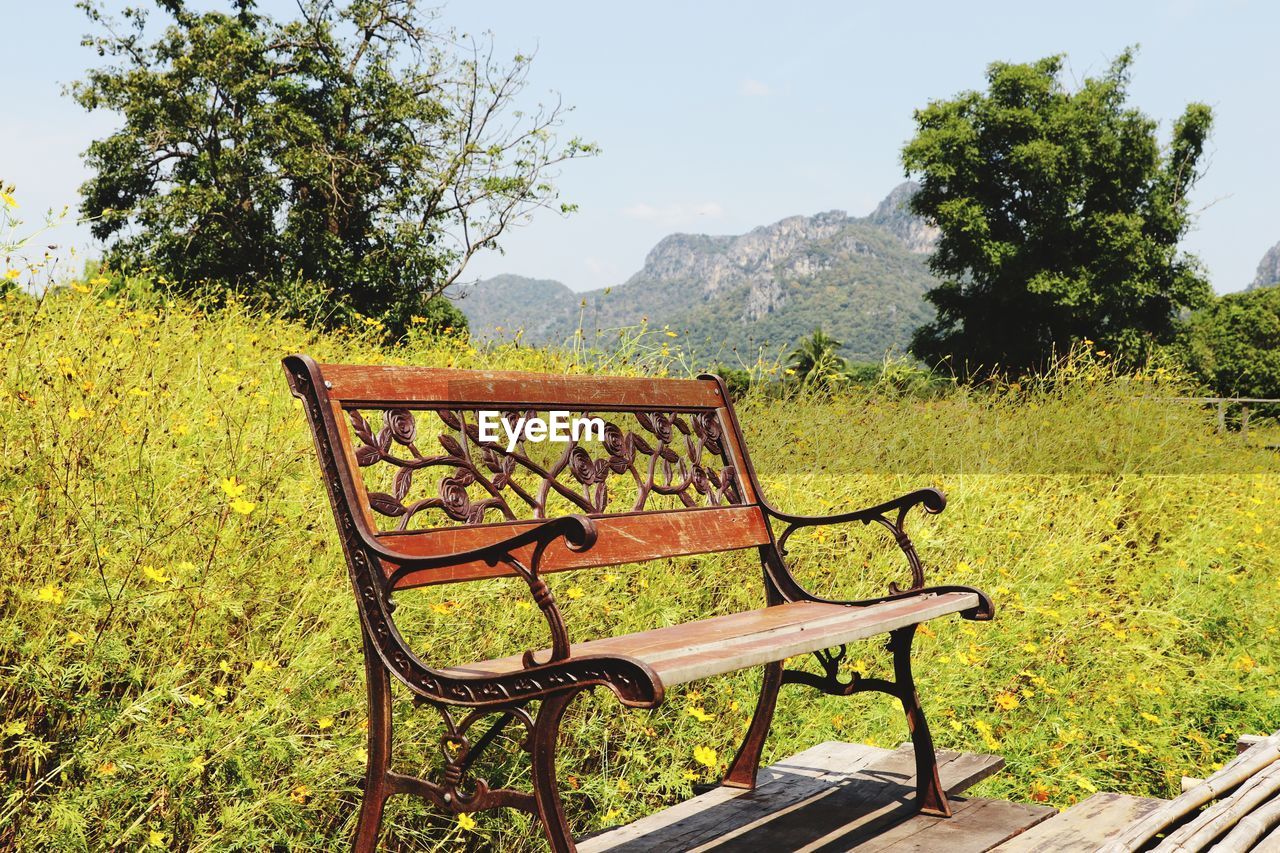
(722,644)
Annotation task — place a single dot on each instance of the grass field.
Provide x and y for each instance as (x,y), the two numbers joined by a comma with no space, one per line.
(179,666)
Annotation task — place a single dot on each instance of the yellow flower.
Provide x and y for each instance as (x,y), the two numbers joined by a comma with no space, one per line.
(1030,648)
(79,413)
(575,592)
(671,334)
(99,281)
(324,723)
(263,665)
(52,593)
(466,821)
(1150,718)
(156,838)
(75,638)
(704,755)
(300,794)
(242,506)
(196,699)
(17,727)
(8,199)
(233,487)
(155,574)
(1244,663)
(690,775)
(1007,701)
(699,714)
(108,768)
(12,274)
(624,787)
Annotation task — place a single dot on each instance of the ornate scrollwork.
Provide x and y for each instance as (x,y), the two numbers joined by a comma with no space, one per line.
(680,457)
(457,789)
(896,526)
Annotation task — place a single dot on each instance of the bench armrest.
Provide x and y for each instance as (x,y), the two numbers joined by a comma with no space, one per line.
(932,500)
(578,532)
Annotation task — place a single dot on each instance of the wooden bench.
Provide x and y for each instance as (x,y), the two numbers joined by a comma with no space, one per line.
(420,497)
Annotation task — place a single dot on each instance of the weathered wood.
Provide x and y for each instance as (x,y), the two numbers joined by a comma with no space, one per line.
(975,826)
(623,538)
(372,385)
(1083,827)
(723,810)
(830,793)
(722,644)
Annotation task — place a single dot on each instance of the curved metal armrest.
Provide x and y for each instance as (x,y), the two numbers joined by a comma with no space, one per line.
(933,501)
(578,532)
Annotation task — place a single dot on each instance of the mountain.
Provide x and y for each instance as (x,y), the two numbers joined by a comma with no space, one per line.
(861,279)
(1268,269)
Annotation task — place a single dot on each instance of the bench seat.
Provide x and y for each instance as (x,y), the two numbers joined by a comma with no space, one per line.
(722,644)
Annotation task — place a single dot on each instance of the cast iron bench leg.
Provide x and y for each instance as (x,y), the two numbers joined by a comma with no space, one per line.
(929,794)
(742,772)
(546,731)
(376,789)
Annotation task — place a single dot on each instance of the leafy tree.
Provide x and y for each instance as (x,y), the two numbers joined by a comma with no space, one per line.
(1234,344)
(1060,214)
(352,158)
(736,379)
(816,361)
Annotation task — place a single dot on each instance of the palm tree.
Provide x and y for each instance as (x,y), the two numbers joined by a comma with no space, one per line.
(816,360)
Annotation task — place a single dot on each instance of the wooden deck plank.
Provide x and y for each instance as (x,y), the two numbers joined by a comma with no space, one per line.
(814,798)
(722,809)
(1083,827)
(975,826)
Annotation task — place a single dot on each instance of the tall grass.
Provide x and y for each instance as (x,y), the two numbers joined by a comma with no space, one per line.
(179,664)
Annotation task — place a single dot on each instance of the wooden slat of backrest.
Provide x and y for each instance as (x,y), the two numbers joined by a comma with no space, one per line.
(627,538)
(408,386)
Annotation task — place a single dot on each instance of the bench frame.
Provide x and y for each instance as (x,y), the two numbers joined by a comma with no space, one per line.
(380,565)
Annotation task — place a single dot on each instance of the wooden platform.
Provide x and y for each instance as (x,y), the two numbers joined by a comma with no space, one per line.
(834,797)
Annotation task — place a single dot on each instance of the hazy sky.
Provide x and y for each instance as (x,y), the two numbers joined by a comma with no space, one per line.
(718,117)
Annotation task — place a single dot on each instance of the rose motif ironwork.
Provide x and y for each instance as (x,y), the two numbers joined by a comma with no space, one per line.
(668,455)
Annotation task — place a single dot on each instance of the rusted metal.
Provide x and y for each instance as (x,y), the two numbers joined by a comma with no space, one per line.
(672,472)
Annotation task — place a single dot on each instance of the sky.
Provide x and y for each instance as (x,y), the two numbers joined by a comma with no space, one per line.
(721,117)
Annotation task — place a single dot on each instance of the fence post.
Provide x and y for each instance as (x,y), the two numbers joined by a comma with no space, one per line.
(1244,421)
(1222,416)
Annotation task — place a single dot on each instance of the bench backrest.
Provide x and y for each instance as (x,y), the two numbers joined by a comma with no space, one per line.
(412,460)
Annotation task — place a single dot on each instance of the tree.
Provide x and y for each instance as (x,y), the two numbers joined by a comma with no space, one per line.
(352,150)
(816,361)
(1060,214)
(1234,344)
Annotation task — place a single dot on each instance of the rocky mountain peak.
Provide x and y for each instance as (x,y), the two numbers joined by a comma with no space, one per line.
(894,215)
(1268,269)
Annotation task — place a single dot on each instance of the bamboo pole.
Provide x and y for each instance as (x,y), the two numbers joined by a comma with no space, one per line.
(1270,844)
(1250,828)
(1236,771)
(1224,814)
